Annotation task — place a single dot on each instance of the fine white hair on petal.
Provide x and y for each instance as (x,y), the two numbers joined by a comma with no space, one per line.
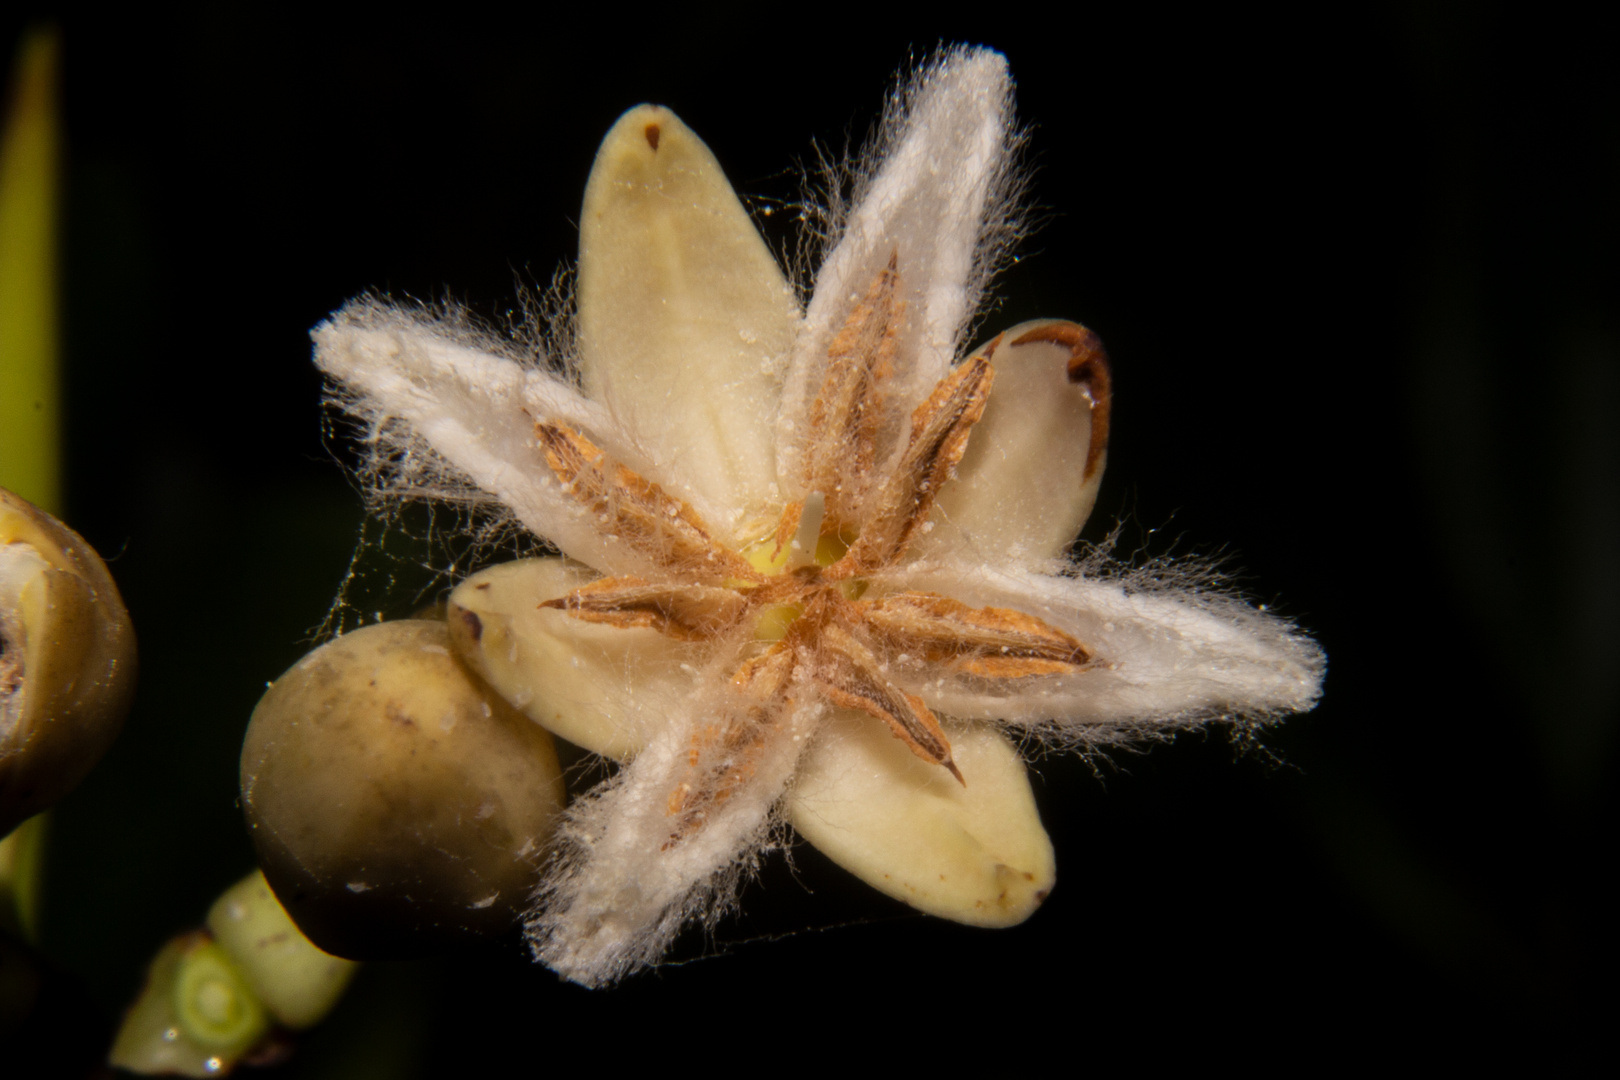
(622,885)
(937,189)
(447,417)
(1164,655)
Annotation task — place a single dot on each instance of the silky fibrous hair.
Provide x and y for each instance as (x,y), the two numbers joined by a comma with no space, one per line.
(427,524)
(838,181)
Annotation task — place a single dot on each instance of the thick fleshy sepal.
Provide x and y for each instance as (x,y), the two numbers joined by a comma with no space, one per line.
(973,852)
(685,321)
(602,687)
(1031,472)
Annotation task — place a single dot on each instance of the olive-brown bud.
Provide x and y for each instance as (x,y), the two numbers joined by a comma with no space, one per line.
(398,805)
(67,660)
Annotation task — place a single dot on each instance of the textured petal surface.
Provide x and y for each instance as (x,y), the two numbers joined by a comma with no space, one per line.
(945,160)
(634,865)
(1023,489)
(975,853)
(685,320)
(601,687)
(1164,654)
(447,417)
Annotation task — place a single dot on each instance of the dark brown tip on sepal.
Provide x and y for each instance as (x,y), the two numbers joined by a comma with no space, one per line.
(951,765)
(1088,360)
(1087,367)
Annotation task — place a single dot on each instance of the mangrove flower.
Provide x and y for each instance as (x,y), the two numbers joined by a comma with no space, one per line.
(815,560)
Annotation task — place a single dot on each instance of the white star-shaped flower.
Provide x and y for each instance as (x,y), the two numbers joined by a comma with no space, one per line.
(813,562)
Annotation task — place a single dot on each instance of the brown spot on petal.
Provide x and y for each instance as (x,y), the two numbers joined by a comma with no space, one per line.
(474,625)
(652,133)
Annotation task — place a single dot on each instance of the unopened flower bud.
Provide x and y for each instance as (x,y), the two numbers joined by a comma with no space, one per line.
(297,982)
(397,804)
(67,660)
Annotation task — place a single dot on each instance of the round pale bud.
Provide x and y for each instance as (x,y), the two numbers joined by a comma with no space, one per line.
(196,1015)
(67,660)
(297,982)
(398,805)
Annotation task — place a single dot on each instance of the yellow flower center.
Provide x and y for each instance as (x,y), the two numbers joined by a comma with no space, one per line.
(772,557)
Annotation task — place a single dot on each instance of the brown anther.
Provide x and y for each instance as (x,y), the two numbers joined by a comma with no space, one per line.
(849,675)
(683,612)
(848,412)
(939,433)
(657,525)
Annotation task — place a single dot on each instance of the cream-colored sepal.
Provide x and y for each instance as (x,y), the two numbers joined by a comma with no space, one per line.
(1035,459)
(685,321)
(604,688)
(975,852)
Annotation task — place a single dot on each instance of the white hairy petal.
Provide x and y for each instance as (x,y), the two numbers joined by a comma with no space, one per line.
(975,853)
(624,886)
(685,321)
(1020,493)
(601,687)
(412,380)
(1162,656)
(944,164)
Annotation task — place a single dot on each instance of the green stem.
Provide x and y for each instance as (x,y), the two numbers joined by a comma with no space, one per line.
(30,450)
(30,399)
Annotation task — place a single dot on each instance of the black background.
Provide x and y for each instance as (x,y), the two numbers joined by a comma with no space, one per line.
(1357,277)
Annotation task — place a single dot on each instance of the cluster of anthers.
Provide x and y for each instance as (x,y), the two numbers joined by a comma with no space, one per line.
(813,564)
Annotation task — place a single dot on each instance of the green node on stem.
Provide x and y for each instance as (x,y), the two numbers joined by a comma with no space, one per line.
(196,1015)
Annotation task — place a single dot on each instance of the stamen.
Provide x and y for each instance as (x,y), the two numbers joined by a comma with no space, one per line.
(806,540)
